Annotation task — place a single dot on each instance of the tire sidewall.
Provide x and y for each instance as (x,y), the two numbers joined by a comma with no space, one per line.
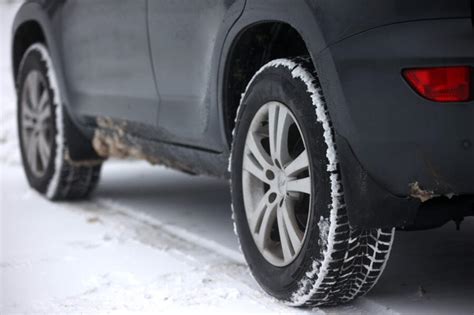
(278,84)
(33,61)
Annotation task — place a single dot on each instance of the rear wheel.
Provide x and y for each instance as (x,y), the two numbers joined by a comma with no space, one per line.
(44,147)
(288,198)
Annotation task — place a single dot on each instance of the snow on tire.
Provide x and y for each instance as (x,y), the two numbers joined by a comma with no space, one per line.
(56,176)
(334,263)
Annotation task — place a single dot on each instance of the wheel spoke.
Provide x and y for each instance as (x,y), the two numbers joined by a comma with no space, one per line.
(272,128)
(258,161)
(256,216)
(43,102)
(27,134)
(284,123)
(33,87)
(279,122)
(302,185)
(44,114)
(251,166)
(44,149)
(267,221)
(298,165)
(289,220)
(27,117)
(258,151)
(32,152)
(285,242)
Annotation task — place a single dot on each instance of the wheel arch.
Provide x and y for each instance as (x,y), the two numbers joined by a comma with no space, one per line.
(253,47)
(28,33)
(33,25)
(268,32)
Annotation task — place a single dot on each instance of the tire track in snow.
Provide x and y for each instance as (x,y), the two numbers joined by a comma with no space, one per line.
(218,260)
(210,259)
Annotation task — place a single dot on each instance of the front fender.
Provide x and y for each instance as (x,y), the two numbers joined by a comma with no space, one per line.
(46,15)
(48,20)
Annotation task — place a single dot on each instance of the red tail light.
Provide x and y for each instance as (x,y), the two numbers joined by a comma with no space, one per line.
(441,84)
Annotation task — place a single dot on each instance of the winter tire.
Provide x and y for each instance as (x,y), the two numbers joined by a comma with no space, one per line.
(43,145)
(287,195)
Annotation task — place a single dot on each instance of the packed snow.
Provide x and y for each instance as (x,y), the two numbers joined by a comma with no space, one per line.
(154,240)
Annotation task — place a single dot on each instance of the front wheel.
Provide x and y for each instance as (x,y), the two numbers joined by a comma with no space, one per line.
(288,198)
(43,144)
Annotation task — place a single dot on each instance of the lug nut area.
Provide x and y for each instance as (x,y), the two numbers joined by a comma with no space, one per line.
(272,197)
(270,175)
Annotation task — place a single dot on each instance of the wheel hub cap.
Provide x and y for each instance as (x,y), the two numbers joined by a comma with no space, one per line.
(280,184)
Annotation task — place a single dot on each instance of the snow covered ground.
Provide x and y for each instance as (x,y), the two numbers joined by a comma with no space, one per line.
(153,240)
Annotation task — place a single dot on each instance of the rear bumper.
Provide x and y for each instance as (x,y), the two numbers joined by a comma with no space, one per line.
(407,147)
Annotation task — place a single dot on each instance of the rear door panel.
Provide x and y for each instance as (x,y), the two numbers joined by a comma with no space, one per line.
(186,38)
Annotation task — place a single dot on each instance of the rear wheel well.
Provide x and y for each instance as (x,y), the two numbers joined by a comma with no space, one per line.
(253,48)
(26,35)
(79,144)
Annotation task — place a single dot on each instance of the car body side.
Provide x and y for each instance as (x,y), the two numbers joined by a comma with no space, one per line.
(390,140)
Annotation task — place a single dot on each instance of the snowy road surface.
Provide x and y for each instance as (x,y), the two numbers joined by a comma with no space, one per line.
(154,240)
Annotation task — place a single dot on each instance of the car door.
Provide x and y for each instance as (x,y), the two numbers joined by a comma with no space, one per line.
(186,37)
(107,60)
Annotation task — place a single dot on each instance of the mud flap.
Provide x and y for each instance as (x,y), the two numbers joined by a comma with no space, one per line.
(80,148)
(369,205)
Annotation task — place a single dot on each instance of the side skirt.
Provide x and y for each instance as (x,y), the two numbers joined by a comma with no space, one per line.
(122,139)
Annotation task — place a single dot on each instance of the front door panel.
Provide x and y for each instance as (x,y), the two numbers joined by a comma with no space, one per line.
(107,61)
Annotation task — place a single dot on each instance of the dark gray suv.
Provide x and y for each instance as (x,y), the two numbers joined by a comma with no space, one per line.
(336,121)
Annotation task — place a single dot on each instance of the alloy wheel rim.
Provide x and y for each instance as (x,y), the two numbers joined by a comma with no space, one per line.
(36,123)
(276,182)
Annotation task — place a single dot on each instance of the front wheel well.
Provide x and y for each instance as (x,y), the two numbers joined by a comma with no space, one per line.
(27,34)
(253,48)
